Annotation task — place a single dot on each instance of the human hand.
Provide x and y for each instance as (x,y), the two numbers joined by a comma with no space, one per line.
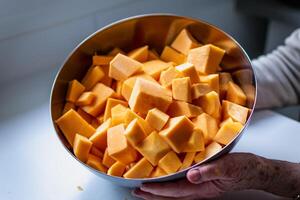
(232,172)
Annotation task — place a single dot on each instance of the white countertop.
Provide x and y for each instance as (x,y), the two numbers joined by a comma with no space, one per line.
(34,165)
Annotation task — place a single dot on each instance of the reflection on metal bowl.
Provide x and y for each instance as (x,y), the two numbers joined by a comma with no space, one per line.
(156,30)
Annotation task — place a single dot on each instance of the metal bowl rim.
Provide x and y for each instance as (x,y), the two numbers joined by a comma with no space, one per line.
(145,16)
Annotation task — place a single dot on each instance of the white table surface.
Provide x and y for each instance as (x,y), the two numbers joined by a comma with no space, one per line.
(34,165)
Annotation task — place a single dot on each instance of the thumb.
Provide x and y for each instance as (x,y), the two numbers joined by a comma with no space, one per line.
(207,172)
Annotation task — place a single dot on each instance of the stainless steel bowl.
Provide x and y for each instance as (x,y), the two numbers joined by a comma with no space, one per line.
(156,30)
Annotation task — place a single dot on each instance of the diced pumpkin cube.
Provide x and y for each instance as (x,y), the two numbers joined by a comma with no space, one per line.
(152,55)
(107,161)
(224,79)
(88,118)
(155,67)
(95,123)
(212,80)
(236,112)
(178,108)
(72,123)
(101,60)
(209,151)
(130,115)
(111,102)
(119,85)
(96,152)
(135,133)
(200,89)
(181,89)
(168,75)
(117,169)
(100,118)
(95,162)
(177,132)
(157,172)
(106,80)
(235,94)
(82,147)
(196,142)
(147,95)
(139,54)
(249,91)
(157,119)
(170,163)
(122,67)
(99,138)
(188,160)
(208,125)
(243,76)
(225,121)
(173,63)
(129,166)
(85,99)
(153,148)
(188,70)
(206,58)
(118,114)
(102,93)
(118,147)
(93,76)
(68,106)
(75,89)
(171,55)
(210,103)
(227,132)
(184,42)
(116,51)
(130,82)
(142,169)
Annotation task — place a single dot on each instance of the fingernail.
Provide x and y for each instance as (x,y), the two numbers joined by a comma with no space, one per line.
(194,176)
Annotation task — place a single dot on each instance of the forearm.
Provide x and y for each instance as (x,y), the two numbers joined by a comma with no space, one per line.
(278,74)
(277,177)
(255,172)
(285,180)
(231,172)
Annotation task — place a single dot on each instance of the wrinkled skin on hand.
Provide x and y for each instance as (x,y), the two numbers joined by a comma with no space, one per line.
(232,172)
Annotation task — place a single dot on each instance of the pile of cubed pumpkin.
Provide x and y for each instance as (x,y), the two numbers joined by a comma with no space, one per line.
(145,115)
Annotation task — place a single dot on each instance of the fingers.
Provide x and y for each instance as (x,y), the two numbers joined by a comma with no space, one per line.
(148,196)
(181,188)
(233,171)
(210,189)
(154,191)
(207,181)
(208,172)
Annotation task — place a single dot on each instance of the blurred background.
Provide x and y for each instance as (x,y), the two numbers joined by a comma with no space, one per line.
(37,35)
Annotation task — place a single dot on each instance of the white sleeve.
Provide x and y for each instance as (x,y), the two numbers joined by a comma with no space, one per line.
(278,74)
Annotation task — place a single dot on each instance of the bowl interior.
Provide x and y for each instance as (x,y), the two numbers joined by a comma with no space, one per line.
(155,31)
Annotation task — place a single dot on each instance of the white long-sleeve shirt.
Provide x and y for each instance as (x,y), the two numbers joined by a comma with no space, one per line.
(278,74)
